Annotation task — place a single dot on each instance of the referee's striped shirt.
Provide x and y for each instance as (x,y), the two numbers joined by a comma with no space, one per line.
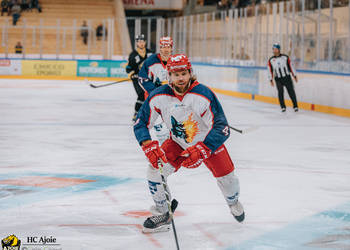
(280,67)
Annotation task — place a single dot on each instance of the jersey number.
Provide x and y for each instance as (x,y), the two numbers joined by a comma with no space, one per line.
(226,131)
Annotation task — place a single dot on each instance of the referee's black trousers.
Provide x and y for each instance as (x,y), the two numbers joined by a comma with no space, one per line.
(288,83)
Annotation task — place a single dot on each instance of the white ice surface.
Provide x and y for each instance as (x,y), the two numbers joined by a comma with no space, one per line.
(291,167)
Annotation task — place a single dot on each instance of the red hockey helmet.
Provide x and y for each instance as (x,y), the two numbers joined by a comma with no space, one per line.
(178,62)
(166,41)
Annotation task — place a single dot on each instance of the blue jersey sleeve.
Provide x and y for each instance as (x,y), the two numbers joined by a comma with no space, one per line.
(140,127)
(219,131)
(145,82)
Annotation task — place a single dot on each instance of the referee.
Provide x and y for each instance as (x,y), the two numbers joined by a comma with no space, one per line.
(281,69)
(135,62)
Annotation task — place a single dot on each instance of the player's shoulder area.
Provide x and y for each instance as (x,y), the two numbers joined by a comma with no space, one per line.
(271,58)
(284,55)
(162,90)
(202,90)
(152,59)
(133,53)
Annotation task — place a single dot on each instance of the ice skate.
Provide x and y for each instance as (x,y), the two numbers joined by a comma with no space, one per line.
(237,211)
(159,223)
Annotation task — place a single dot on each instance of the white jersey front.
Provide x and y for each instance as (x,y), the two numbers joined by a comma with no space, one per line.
(195,117)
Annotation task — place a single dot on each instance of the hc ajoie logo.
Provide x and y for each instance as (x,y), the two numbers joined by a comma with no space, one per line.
(41,240)
(11,243)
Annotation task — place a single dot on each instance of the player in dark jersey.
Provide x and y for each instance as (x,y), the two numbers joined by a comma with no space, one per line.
(135,62)
(280,68)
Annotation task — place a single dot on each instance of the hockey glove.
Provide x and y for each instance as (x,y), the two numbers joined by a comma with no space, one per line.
(195,154)
(128,69)
(153,152)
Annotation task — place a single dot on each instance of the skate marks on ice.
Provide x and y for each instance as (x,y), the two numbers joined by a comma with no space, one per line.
(329,229)
(196,236)
(26,188)
(129,232)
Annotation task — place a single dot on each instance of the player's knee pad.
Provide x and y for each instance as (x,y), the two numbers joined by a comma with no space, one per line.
(229,186)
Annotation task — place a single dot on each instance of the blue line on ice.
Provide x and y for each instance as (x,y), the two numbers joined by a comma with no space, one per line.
(326,230)
(33,194)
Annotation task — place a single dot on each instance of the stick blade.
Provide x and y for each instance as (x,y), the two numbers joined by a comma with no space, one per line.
(174,204)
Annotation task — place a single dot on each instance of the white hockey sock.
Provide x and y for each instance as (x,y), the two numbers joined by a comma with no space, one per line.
(156,186)
(229,185)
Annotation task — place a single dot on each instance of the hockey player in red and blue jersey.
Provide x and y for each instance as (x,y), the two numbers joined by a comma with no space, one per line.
(198,128)
(153,73)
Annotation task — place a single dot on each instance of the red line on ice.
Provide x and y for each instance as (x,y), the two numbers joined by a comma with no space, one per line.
(138,226)
(209,235)
(108,194)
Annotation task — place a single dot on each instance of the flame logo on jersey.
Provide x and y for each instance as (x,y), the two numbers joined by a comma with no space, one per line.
(186,130)
(191,128)
(11,242)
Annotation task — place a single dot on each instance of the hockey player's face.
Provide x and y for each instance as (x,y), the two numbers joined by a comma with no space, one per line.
(180,80)
(141,44)
(165,52)
(276,51)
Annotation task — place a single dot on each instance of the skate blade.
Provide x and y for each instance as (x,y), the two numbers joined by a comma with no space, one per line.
(163,228)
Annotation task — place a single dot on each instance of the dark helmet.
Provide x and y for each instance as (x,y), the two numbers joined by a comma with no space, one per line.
(277,46)
(140,37)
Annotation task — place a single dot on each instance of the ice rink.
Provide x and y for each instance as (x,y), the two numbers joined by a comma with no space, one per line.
(70,168)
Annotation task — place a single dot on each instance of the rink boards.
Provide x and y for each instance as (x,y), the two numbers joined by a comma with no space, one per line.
(325,92)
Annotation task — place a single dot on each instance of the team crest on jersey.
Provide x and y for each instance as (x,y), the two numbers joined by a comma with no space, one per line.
(187,129)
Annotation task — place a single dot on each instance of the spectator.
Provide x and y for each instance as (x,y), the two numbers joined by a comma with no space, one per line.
(200,2)
(308,58)
(100,30)
(241,3)
(337,51)
(16,13)
(224,5)
(11,3)
(36,5)
(84,32)
(24,5)
(210,2)
(5,7)
(18,48)
(243,55)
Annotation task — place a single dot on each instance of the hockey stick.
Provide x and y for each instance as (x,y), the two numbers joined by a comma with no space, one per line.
(107,84)
(167,196)
(235,129)
(244,131)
